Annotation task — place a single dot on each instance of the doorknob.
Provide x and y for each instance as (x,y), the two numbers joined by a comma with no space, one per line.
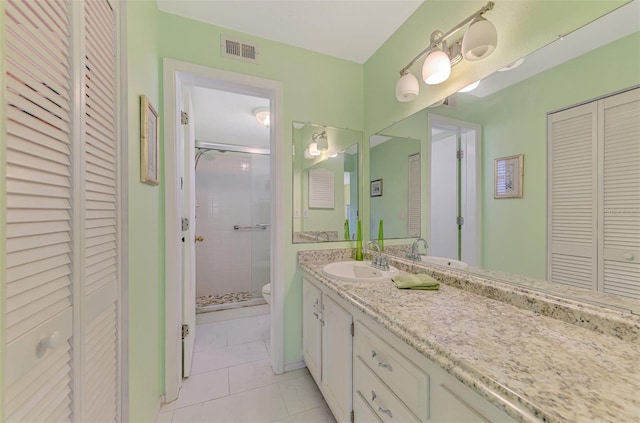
(199,238)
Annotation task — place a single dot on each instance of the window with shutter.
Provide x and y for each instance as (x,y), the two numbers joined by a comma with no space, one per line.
(414,207)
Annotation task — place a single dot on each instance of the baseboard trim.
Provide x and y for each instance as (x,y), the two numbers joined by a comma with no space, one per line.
(294,366)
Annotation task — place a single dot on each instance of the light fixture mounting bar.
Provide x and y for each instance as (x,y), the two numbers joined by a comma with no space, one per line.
(487,7)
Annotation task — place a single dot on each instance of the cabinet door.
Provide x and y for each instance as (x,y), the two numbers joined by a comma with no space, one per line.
(619,126)
(311,333)
(337,360)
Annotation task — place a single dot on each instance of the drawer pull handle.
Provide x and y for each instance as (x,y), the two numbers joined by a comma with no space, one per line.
(385,366)
(380,363)
(385,411)
(315,313)
(380,409)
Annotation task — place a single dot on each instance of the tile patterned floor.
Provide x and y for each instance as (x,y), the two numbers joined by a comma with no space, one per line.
(232,381)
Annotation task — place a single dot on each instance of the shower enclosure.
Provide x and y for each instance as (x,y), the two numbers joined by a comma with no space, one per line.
(233,215)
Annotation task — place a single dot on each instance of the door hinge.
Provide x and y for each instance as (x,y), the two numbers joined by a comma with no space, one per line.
(185,331)
(184,118)
(352,418)
(352,329)
(185,224)
(460,220)
(460,154)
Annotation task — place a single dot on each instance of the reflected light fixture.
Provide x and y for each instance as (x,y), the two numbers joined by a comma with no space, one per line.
(479,41)
(262,115)
(307,154)
(470,87)
(512,65)
(313,149)
(320,140)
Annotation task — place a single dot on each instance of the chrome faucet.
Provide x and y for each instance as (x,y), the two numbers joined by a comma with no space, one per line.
(415,249)
(378,260)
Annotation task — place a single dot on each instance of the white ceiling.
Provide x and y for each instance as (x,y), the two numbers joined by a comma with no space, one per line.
(352,30)
(227,118)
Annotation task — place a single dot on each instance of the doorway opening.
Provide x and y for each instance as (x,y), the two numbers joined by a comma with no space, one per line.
(454,190)
(181,84)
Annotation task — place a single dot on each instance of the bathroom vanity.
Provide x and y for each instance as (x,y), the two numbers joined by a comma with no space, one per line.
(476,350)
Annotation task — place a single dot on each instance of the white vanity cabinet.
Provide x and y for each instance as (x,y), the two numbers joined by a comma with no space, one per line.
(396,383)
(368,374)
(327,347)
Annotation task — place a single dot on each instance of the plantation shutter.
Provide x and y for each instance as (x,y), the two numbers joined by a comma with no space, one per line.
(572,196)
(619,123)
(101,245)
(38,294)
(414,198)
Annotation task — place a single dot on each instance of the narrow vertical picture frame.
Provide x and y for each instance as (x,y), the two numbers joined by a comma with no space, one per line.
(149,134)
(508,176)
(376,188)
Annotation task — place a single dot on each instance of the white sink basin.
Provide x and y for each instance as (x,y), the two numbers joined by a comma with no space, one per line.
(356,271)
(443,261)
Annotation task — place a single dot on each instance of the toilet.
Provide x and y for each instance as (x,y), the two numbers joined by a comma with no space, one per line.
(266,293)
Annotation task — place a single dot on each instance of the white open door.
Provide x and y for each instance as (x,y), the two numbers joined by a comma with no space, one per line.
(189,236)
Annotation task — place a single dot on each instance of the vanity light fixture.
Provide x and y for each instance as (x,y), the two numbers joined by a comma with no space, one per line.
(478,42)
(262,115)
(307,154)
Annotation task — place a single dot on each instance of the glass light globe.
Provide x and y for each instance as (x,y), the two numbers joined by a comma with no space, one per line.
(436,68)
(480,40)
(470,87)
(407,88)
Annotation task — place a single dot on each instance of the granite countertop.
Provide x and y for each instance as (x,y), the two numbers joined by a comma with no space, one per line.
(533,366)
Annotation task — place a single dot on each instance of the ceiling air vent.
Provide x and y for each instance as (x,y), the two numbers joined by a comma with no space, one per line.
(240,50)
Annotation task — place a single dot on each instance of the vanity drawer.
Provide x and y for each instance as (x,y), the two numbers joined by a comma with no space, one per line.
(404,378)
(362,413)
(384,403)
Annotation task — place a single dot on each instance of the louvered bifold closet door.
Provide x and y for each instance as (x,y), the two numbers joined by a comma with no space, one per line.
(572,196)
(101,243)
(38,295)
(415,199)
(619,123)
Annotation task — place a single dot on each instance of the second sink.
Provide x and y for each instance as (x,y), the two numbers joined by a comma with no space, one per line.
(356,271)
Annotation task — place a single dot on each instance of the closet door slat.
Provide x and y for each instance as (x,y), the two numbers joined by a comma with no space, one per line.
(101,241)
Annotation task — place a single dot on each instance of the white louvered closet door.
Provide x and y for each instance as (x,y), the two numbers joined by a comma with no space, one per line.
(414,194)
(38,359)
(99,380)
(62,235)
(572,197)
(619,130)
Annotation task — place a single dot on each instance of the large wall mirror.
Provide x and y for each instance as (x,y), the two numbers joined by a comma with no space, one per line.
(325,183)
(511,107)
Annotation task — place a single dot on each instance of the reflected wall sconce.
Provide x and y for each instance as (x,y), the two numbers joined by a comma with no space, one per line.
(319,143)
(262,115)
(478,42)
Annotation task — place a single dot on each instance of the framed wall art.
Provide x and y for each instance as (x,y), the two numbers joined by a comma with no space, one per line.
(508,176)
(376,188)
(149,134)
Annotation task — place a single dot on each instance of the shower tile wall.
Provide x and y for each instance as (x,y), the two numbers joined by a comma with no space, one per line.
(232,189)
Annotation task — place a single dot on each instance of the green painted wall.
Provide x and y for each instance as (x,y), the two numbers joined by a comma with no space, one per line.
(523,26)
(146,223)
(316,88)
(389,161)
(514,122)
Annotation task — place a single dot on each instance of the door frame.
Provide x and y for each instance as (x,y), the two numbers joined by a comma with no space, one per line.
(472,180)
(177,73)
